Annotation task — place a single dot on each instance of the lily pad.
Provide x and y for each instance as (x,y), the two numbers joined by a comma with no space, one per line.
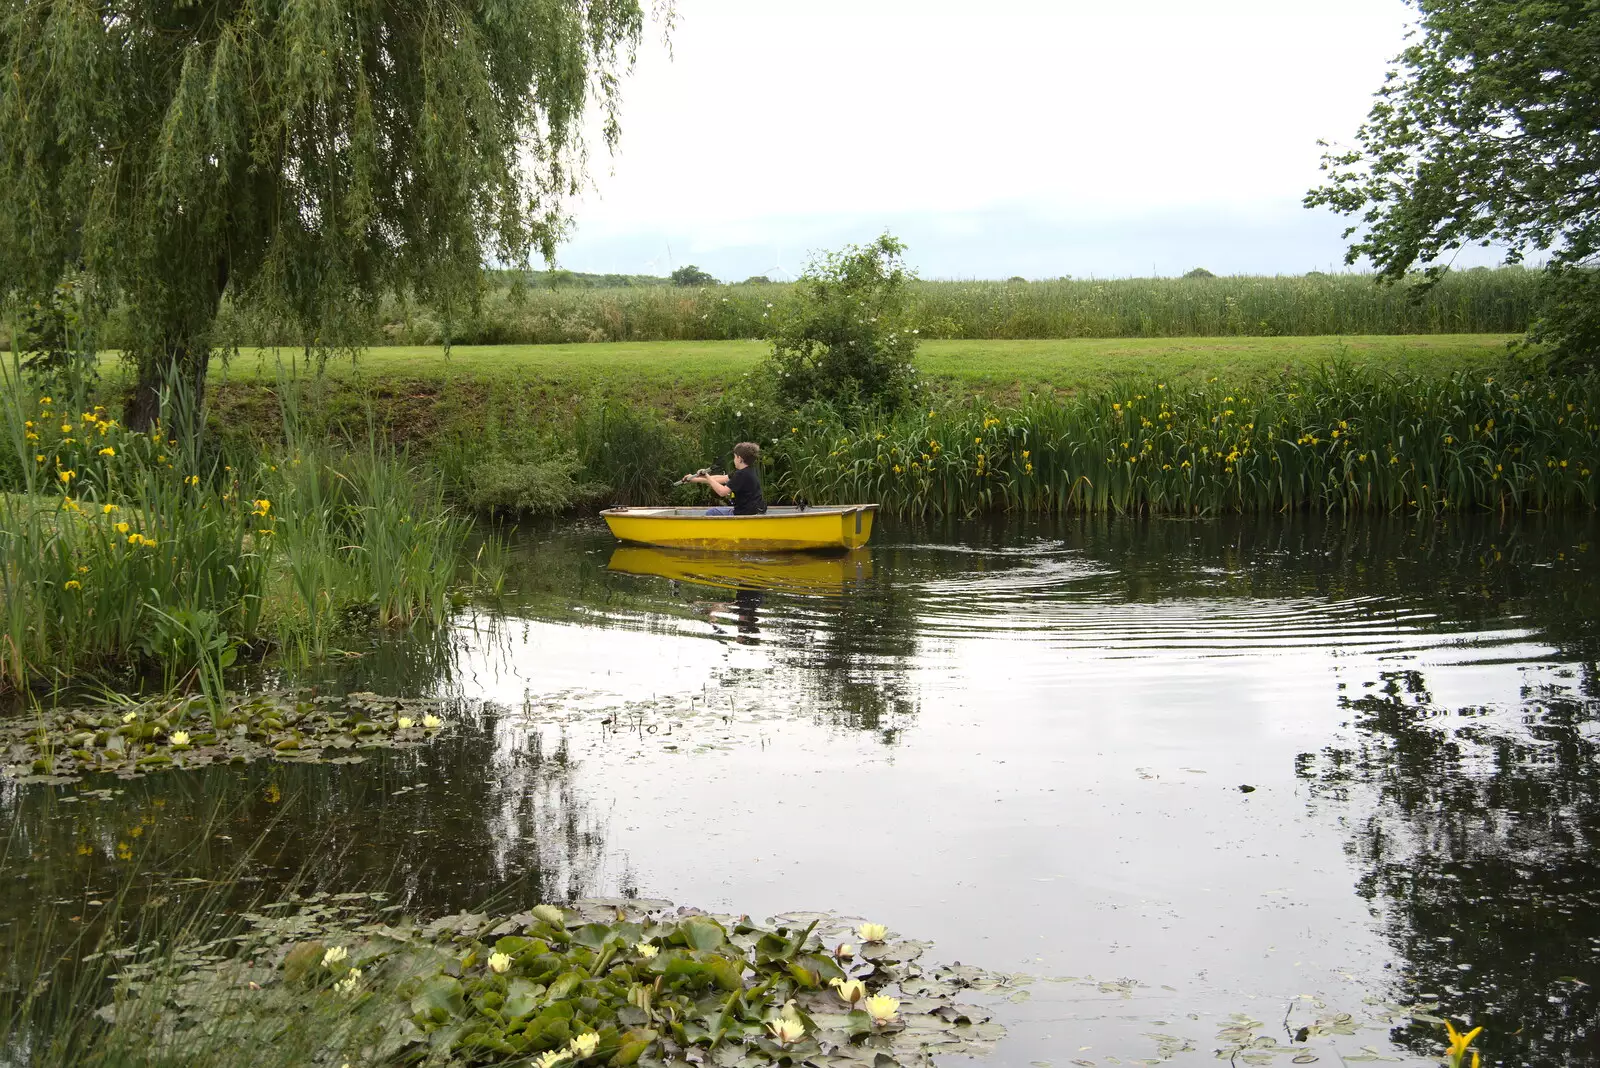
(129,740)
(607,982)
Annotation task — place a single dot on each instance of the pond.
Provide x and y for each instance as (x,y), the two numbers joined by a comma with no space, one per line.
(1175,770)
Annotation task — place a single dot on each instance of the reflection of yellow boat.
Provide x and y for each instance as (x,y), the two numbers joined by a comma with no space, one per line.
(843,527)
(797,572)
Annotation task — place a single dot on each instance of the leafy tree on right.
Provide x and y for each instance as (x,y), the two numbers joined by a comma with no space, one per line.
(1487,130)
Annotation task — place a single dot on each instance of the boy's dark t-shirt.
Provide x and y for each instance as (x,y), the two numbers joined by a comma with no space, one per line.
(746,486)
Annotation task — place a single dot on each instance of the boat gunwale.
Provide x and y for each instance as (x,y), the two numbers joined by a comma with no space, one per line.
(788,512)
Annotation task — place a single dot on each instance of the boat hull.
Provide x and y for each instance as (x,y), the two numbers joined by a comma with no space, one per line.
(779,530)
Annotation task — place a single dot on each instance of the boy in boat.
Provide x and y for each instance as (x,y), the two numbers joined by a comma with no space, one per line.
(744,485)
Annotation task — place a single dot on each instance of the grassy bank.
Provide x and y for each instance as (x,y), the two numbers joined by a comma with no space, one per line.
(1192,426)
(680,375)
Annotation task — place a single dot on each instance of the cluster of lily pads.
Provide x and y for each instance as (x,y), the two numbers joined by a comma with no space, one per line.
(599,982)
(130,739)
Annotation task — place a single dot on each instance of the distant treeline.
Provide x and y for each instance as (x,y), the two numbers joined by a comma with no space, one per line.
(551,307)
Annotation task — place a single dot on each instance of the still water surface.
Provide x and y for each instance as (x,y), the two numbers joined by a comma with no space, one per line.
(1219,767)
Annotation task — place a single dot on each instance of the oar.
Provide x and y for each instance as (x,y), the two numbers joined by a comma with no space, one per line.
(685,478)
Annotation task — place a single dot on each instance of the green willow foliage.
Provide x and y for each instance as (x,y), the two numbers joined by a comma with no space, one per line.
(300,155)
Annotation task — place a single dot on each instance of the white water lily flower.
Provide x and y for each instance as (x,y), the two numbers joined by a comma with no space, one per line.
(584,1045)
(335,955)
(850,990)
(872,932)
(432,722)
(552,1058)
(350,983)
(404,722)
(180,738)
(646,950)
(844,949)
(786,1030)
(550,914)
(882,1009)
(499,963)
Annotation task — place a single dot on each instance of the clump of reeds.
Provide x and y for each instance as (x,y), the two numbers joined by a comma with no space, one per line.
(1463,302)
(147,549)
(1339,440)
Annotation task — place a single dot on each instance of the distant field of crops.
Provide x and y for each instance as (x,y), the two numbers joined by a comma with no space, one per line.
(1469,302)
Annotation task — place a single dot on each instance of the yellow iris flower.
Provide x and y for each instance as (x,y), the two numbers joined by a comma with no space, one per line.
(1459,1043)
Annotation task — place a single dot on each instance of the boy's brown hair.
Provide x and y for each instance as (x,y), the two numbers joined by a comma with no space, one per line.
(748,451)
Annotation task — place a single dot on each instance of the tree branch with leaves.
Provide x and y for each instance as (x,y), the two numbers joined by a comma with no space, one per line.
(1486,131)
(302,156)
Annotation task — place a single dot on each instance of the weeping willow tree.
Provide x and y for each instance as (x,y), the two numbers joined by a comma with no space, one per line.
(301,156)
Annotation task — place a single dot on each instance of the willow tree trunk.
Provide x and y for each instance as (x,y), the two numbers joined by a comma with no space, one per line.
(171,385)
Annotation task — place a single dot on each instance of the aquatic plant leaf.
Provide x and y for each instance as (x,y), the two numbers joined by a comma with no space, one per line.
(440,999)
(703,934)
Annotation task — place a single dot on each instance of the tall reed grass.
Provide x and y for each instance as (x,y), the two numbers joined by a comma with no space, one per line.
(1340,440)
(1477,301)
(141,550)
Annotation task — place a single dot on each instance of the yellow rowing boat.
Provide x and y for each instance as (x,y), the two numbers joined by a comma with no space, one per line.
(781,529)
(808,573)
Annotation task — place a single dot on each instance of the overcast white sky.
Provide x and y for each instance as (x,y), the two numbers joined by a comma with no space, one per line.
(996,137)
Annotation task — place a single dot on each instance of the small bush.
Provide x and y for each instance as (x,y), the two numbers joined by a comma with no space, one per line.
(1199,272)
(549,486)
(690,275)
(845,335)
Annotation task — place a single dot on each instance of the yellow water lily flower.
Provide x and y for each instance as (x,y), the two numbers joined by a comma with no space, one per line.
(645,950)
(499,963)
(786,1030)
(348,985)
(433,723)
(844,950)
(180,738)
(872,932)
(882,1008)
(584,1045)
(334,955)
(552,1058)
(404,722)
(850,990)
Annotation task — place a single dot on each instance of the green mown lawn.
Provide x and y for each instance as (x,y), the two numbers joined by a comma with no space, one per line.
(682,369)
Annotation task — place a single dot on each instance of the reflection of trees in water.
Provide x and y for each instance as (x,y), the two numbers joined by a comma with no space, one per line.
(465,821)
(1479,851)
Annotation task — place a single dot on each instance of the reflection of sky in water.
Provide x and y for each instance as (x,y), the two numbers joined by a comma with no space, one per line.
(1055,788)
(1028,749)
